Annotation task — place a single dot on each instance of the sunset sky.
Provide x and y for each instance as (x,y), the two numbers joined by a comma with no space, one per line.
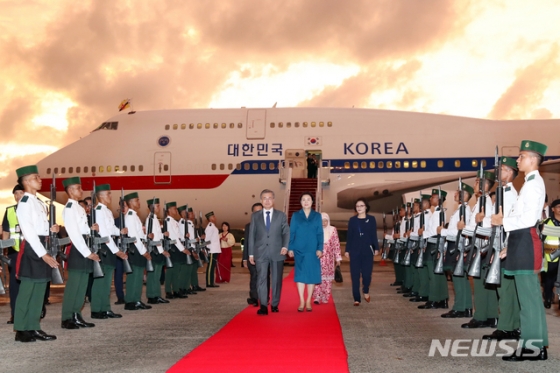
(66,65)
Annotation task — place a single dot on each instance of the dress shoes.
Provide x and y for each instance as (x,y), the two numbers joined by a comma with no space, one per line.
(190,292)
(252,301)
(112,315)
(491,322)
(441,304)
(427,306)
(131,306)
(473,324)
(274,309)
(78,320)
(69,324)
(468,312)
(404,290)
(161,300)
(152,300)
(396,283)
(120,301)
(42,336)
(43,312)
(10,321)
(418,299)
(527,354)
(212,286)
(453,314)
(547,304)
(263,311)
(410,295)
(144,306)
(198,288)
(169,296)
(500,335)
(99,315)
(180,295)
(24,336)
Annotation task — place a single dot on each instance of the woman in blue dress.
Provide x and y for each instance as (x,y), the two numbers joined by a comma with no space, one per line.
(306,247)
(361,246)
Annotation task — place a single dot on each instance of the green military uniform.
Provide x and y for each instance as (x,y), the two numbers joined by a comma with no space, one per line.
(173,275)
(153,287)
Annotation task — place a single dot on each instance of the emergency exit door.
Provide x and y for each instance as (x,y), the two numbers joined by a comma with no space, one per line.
(162,167)
(256,123)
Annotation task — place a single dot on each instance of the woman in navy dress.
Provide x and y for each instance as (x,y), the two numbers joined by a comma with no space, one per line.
(306,247)
(361,246)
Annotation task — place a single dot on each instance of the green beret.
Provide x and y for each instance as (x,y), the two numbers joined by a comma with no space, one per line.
(130,196)
(71,181)
(467,188)
(488,175)
(416,200)
(27,170)
(190,209)
(533,146)
(182,208)
(102,187)
(436,192)
(154,201)
(171,204)
(510,162)
(426,196)
(403,206)
(211,213)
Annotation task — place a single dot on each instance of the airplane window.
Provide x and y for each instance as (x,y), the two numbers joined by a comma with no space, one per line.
(191,126)
(78,169)
(321,124)
(70,170)
(116,168)
(86,169)
(280,124)
(48,171)
(238,166)
(207,125)
(213,166)
(93,169)
(232,125)
(183,126)
(167,127)
(364,165)
(296,124)
(354,165)
(224,125)
(199,125)
(271,124)
(389,164)
(397,164)
(124,168)
(313,124)
(474,163)
(457,163)
(414,164)
(484,163)
(165,167)
(63,170)
(255,166)
(100,168)
(289,125)
(380,164)
(230,166)
(271,166)
(175,126)
(405,164)
(140,168)
(239,125)
(423,164)
(440,163)
(108,168)
(329,124)
(222,166)
(215,125)
(372,164)
(246,166)
(305,124)
(263,166)
(132,168)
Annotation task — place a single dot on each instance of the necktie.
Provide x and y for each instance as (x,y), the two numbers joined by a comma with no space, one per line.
(267,221)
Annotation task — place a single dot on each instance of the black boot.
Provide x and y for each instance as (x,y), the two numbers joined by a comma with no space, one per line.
(78,320)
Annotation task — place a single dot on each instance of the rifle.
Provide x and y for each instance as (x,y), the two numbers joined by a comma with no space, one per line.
(167,242)
(384,243)
(187,243)
(460,240)
(397,229)
(201,245)
(95,240)
(440,241)
(53,246)
(497,236)
(5,260)
(475,257)
(124,239)
(421,245)
(410,227)
(150,244)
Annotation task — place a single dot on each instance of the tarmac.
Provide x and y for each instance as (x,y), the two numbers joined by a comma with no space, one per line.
(387,335)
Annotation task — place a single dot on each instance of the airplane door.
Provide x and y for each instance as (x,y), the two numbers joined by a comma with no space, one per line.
(162,167)
(256,123)
(296,160)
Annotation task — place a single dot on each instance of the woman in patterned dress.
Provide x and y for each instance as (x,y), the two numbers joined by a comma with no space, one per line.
(331,252)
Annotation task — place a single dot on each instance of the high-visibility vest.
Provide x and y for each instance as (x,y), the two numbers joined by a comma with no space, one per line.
(550,244)
(15,231)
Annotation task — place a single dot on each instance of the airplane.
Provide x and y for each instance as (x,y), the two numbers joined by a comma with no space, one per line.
(221,159)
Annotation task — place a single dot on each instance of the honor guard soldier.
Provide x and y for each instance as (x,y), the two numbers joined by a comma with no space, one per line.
(80,259)
(11,228)
(423,277)
(101,288)
(212,234)
(178,254)
(399,269)
(524,253)
(463,296)
(34,264)
(185,279)
(137,255)
(437,293)
(193,236)
(153,233)
(508,304)
(413,237)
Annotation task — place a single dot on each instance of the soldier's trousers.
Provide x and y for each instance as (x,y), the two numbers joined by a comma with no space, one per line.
(438,282)
(74,293)
(153,287)
(463,294)
(134,284)
(485,298)
(508,304)
(194,274)
(101,290)
(211,268)
(532,316)
(423,277)
(415,275)
(408,276)
(172,278)
(29,303)
(185,276)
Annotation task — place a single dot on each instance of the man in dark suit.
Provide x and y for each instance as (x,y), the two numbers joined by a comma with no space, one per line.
(253,295)
(269,235)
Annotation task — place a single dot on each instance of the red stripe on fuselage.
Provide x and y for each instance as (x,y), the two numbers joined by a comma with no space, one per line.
(144,182)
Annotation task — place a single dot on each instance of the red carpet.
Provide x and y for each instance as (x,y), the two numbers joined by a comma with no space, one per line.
(288,341)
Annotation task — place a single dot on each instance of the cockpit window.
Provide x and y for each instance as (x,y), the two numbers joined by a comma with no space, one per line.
(108,126)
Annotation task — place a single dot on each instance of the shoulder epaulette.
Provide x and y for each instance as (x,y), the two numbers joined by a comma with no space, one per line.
(508,189)
(69,205)
(24,199)
(130,213)
(530,177)
(98,207)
